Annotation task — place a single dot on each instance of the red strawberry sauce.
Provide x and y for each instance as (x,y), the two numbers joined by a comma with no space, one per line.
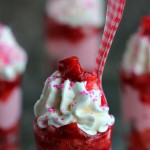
(55,30)
(141,83)
(6,87)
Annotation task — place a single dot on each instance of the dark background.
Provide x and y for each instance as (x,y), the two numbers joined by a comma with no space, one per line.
(26,18)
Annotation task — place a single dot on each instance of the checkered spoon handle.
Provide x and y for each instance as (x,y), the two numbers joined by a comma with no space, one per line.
(114,13)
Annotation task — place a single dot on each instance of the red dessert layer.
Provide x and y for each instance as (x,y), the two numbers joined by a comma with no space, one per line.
(9,138)
(56,30)
(6,87)
(9,146)
(141,83)
(12,131)
(70,137)
(139,141)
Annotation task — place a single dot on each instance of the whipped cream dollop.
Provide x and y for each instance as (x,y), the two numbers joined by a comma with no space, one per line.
(137,55)
(13,58)
(65,102)
(77,12)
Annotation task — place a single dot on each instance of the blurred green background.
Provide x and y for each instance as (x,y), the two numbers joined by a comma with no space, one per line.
(26,18)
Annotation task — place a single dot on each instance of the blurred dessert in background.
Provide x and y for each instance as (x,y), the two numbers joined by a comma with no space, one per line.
(72,28)
(13,61)
(135,87)
(72,112)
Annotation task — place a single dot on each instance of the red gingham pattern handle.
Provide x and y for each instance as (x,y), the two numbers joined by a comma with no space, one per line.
(113,16)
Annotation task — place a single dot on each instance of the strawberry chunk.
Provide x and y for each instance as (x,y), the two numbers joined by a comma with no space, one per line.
(70,68)
(91,81)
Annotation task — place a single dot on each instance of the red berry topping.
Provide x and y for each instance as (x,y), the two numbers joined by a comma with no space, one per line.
(91,81)
(70,69)
(145,22)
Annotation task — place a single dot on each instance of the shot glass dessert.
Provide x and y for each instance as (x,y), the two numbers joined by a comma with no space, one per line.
(73,28)
(12,64)
(72,113)
(135,84)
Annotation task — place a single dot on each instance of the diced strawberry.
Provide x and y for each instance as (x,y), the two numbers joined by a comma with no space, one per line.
(89,77)
(91,81)
(70,68)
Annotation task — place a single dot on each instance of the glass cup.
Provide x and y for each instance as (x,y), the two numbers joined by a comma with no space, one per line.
(52,138)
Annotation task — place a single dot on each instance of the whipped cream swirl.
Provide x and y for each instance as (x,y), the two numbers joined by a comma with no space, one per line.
(67,102)
(13,58)
(77,12)
(137,56)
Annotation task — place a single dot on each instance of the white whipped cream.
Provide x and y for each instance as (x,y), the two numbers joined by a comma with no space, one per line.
(77,12)
(13,58)
(137,56)
(61,104)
